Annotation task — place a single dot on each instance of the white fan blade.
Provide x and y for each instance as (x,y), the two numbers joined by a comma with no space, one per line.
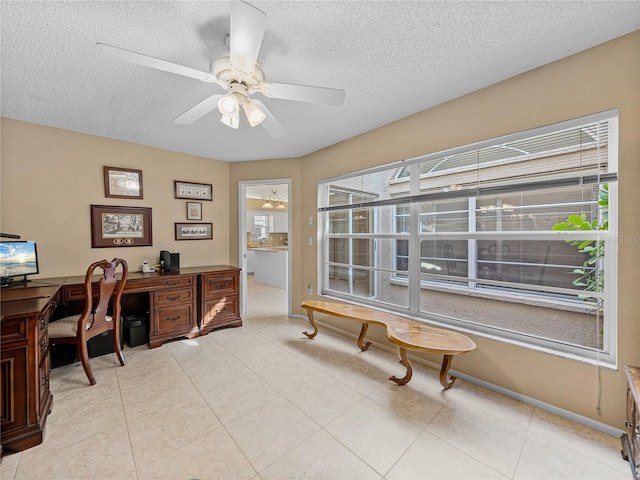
(304,93)
(147,61)
(270,124)
(198,111)
(247,30)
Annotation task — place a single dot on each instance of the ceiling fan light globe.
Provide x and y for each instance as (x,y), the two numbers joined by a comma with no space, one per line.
(233,122)
(255,116)
(229,106)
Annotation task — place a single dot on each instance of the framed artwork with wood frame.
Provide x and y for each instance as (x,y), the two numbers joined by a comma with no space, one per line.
(193,191)
(122,183)
(194,211)
(194,231)
(120,226)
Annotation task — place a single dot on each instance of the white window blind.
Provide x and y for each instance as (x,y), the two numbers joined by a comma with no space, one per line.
(479,220)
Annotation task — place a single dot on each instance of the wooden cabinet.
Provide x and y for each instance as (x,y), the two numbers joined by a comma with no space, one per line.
(631,437)
(173,309)
(24,366)
(182,304)
(219,304)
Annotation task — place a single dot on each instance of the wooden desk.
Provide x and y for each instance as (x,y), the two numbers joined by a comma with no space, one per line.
(26,399)
(188,303)
(631,437)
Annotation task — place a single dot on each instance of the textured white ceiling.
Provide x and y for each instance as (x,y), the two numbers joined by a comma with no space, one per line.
(393,59)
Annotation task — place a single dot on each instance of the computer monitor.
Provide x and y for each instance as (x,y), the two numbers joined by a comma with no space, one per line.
(17,259)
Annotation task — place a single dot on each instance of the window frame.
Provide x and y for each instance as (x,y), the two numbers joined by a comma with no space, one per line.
(415,280)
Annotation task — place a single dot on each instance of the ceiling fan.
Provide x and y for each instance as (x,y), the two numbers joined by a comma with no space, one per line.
(239,74)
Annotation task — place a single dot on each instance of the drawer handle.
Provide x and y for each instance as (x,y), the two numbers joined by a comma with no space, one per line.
(174,319)
(171,284)
(218,286)
(173,298)
(220,311)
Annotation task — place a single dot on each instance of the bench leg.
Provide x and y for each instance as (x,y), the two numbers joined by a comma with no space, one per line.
(313,324)
(446,363)
(363,346)
(403,360)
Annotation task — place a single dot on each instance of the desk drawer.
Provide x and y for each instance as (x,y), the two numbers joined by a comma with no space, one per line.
(73,292)
(173,296)
(220,284)
(14,330)
(173,320)
(220,310)
(44,376)
(177,281)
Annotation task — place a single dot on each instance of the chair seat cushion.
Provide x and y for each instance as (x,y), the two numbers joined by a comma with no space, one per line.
(67,327)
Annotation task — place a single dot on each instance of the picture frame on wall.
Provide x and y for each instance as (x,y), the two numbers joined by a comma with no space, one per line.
(194,211)
(192,191)
(194,231)
(120,226)
(122,183)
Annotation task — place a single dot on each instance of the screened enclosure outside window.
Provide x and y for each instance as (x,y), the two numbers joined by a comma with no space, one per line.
(468,238)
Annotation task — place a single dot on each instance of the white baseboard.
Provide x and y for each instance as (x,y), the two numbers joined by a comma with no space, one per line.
(574,417)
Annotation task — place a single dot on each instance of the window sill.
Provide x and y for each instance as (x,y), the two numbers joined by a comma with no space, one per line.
(513,297)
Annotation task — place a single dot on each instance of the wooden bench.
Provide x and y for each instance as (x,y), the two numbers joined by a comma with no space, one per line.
(405,333)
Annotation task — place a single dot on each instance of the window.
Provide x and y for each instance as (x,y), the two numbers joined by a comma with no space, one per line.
(473,238)
(260,227)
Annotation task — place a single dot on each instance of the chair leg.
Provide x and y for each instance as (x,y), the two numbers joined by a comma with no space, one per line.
(117,348)
(83,356)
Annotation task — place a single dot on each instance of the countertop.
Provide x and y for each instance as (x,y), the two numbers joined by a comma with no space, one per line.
(269,248)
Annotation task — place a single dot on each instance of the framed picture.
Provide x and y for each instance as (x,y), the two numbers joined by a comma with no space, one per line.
(122,183)
(195,191)
(194,211)
(194,231)
(120,226)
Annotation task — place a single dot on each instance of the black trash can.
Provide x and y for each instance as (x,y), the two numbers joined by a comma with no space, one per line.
(135,330)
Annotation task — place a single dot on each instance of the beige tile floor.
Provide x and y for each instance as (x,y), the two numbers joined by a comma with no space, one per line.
(263,402)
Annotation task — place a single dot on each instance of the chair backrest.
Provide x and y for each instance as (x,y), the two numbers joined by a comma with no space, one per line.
(94,319)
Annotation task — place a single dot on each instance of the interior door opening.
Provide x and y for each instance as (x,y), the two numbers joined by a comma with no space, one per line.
(264,239)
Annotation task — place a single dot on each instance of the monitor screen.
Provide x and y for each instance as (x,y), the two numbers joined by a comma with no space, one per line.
(18,259)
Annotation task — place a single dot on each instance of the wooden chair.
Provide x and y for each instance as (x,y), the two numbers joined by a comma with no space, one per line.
(78,329)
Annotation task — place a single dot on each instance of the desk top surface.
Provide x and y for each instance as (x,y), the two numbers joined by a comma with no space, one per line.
(34,296)
(138,275)
(26,300)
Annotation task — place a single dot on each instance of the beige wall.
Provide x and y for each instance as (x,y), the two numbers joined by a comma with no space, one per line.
(50,177)
(598,79)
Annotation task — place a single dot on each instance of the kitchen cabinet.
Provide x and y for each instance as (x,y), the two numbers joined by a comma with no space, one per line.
(251,261)
(271,266)
(275,222)
(279,222)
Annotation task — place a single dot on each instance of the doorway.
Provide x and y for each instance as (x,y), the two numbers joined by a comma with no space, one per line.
(264,237)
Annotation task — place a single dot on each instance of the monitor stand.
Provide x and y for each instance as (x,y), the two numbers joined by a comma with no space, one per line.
(11,282)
